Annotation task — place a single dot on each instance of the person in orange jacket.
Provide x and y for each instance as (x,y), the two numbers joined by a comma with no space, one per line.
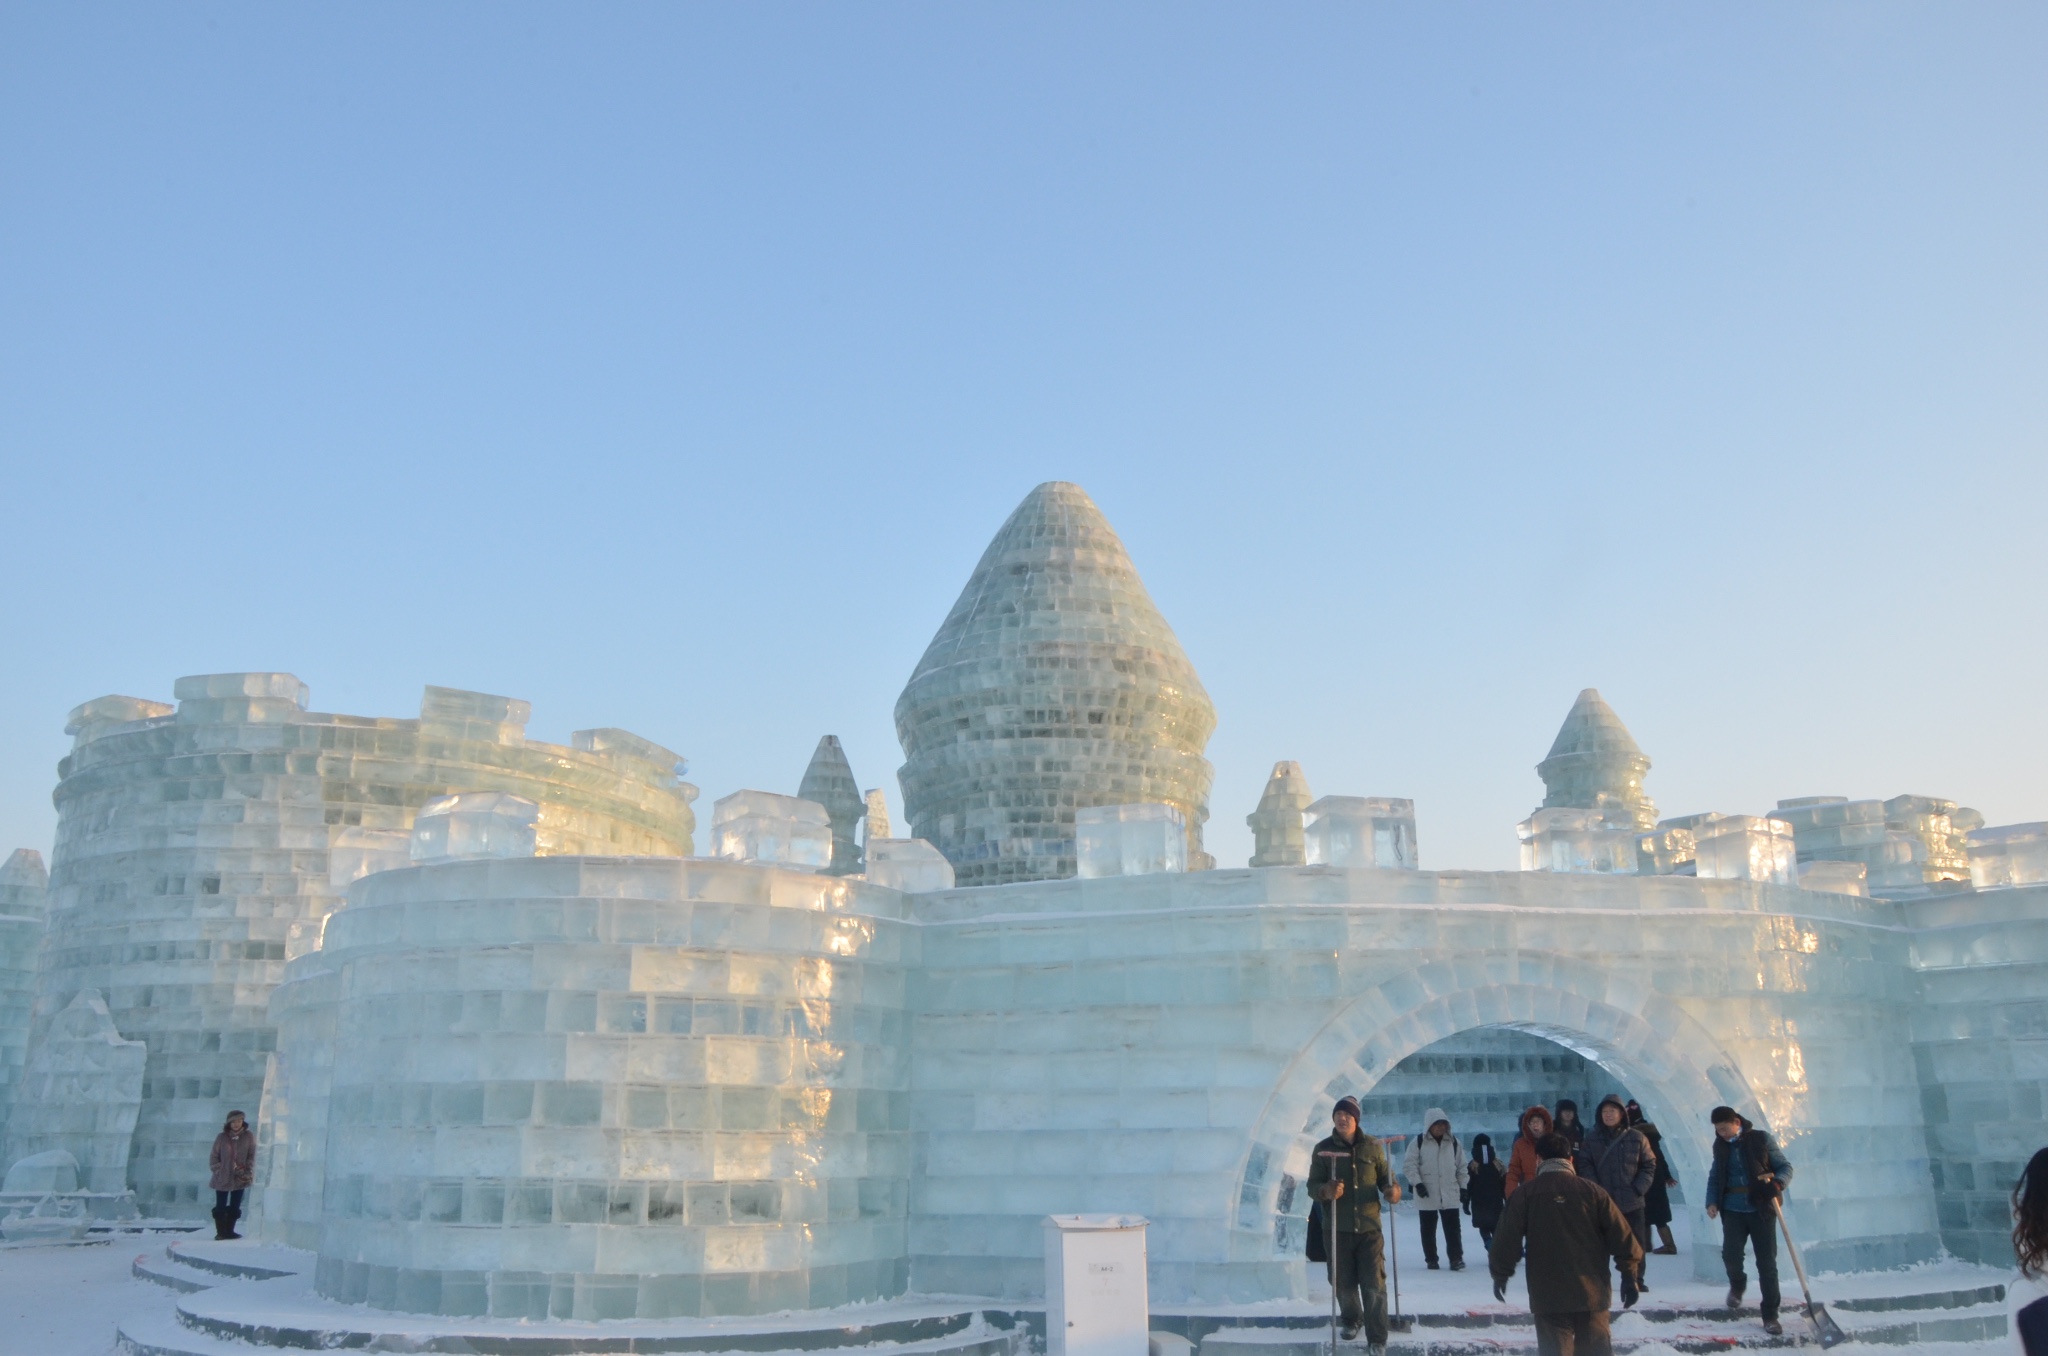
(1523,1160)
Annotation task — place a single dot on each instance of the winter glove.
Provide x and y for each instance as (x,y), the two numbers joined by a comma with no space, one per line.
(1465,1200)
(1422,1191)
(1629,1293)
(1500,1289)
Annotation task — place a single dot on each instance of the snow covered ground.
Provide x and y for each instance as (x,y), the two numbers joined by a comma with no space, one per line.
(66,1301)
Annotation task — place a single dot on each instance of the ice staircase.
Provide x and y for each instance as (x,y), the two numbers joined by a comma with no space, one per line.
(244,1299)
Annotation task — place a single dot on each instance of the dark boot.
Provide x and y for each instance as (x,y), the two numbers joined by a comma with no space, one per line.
(1667,1246)
(232,1213)
(220,1224)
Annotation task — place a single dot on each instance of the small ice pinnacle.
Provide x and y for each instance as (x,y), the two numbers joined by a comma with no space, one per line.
(878,816)
(1276,824)
(829,782)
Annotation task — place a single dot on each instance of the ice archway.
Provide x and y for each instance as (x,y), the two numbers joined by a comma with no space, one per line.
(1671,1063)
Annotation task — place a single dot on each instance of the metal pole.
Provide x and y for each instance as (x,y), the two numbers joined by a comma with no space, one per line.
(1330,1217)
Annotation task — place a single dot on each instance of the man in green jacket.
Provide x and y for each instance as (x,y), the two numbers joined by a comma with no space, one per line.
(1349,1173)
(1572,1227)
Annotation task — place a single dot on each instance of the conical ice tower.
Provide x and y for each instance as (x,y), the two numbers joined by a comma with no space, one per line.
(829,782)
(1595,764)
(1053,684)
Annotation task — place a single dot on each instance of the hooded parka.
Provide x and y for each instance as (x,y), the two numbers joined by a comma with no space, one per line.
(1435,1167)
(1620,1160)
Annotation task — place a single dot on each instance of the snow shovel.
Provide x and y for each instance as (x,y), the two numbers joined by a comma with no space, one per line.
(1824,1325)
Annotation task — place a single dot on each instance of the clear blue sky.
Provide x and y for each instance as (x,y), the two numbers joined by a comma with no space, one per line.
(668,366)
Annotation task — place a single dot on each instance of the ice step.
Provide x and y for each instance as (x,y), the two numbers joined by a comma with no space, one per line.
(164,1336)
(239,1259)
(287,1314)
(170,1274)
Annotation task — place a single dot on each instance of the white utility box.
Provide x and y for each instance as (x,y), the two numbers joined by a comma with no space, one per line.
(1096,1303)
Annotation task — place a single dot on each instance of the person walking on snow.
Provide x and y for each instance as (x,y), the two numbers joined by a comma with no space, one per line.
(1571,1228)
(1348,1173)
(1749,1176)
(233,1162)
(1522,1159)
(1657,1201)
(1620,1159)
(1435,1167)
(1486,1189)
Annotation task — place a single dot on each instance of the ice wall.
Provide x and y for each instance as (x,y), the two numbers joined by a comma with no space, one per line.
(193,846)
(1170,1046)
(613,1088)
(23,887)
(81,1092)
(1980,1041)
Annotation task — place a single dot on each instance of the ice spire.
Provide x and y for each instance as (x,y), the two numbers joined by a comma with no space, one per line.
(1276,825)
(1052,684)
(829,782)
(878,816)
(1594,764)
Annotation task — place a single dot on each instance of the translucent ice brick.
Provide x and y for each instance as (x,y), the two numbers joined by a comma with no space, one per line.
(761,826)
(355,853)
(474,824)
(1745,847)
(908,864)
(2011,854)
(1668,851)
(1361,831)
(1129,840)
(1579,842)
(1835,878)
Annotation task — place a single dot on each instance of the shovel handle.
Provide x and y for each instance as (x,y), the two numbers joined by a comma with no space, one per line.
(1778,1209)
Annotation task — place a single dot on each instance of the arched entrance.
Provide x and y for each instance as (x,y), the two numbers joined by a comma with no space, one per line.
(1651,1047)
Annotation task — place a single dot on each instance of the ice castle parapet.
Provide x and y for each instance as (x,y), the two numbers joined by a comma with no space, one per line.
(1129,840)
(1354,831)
(193,856)
(613,1088)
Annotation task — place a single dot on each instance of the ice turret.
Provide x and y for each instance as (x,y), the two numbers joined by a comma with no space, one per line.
(1594,764)
(829,782)
(1053,684)
(1276,825)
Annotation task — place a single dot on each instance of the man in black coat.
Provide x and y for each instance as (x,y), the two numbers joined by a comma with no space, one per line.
(1571,1228)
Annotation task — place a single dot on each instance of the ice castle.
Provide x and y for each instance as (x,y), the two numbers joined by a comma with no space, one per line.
(517,1052)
